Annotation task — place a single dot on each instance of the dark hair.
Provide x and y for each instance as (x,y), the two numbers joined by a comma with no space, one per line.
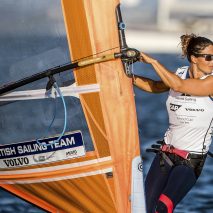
(192,44)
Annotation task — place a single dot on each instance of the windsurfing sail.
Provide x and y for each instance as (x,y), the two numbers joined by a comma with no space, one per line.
(98,171)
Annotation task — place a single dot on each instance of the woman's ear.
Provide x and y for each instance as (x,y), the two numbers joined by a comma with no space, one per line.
(193,59)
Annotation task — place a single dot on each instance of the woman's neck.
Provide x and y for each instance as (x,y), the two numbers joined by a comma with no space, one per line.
(195,73)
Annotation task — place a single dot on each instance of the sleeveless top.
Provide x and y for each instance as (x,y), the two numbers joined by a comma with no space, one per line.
(190,119)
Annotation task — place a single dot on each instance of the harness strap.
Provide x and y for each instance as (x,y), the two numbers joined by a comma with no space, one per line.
(170,149)
(167,201)
(167,159)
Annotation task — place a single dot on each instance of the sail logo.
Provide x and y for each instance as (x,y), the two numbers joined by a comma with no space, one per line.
(71,153)
(31,153)
(16,162)
(140,167)
(174,107)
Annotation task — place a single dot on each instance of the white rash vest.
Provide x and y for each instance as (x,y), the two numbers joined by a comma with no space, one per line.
(190,119)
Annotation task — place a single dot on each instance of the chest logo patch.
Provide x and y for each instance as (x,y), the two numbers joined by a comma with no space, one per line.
(174,107)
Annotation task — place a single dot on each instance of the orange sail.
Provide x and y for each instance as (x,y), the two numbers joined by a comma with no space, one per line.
(97,180)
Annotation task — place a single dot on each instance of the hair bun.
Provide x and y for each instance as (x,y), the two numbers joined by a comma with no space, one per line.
(185,40)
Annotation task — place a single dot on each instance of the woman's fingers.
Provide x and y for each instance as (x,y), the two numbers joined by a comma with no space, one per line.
(142,59)
(146,58)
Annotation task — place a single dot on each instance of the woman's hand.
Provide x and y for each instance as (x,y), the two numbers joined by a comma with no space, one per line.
(147,59)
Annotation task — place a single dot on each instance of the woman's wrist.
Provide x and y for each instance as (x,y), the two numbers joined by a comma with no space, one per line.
(154,62)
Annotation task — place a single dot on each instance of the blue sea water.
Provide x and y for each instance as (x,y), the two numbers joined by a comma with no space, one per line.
(152,123)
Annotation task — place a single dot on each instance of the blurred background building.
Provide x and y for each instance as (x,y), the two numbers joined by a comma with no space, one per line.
(156,25)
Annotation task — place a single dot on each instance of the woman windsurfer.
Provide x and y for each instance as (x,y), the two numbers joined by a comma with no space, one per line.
(181,157)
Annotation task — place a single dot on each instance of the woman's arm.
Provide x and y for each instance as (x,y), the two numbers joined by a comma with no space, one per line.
(149,85)
(197,87)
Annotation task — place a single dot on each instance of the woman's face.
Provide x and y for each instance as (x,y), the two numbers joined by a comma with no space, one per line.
(204,60)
